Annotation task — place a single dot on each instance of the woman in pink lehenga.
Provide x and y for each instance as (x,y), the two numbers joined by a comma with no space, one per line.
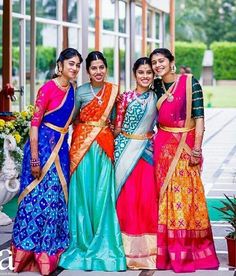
(185,241)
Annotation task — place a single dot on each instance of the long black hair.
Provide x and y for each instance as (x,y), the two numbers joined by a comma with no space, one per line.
(67,54)
(95,55)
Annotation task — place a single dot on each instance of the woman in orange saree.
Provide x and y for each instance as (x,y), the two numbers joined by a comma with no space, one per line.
(185,241)
(95,238)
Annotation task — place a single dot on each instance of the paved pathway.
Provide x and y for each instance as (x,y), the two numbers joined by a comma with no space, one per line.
(219,177)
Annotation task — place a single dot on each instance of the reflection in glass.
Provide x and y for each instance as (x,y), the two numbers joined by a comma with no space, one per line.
(91,41)
(15,60)
(149,24)
(73,38)
(108,14)
(72,7)
(46,8)
(157,25)
(138,20)
(92,13)
(122,17)
(45,51)
(16,6)
(122,68)
(108,51)
(149,48)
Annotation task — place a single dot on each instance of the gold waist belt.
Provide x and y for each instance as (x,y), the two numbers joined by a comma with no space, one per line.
(95,123)
(176,129)
(148,135)
(62,130)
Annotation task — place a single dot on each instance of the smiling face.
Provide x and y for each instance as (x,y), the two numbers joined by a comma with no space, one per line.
(144,77)
(70,68)
(161,65)
(97,72)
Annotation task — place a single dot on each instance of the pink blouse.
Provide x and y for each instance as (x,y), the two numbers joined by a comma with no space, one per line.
(48,98)
(127,98)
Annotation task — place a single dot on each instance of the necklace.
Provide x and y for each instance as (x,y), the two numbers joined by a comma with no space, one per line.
(170,92)
(99,98)
(143,102)
(64,88)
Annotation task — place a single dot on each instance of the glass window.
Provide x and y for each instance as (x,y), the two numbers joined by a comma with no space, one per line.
(92,13)
(73,38)
(27,60)
(91,41)
(1,4)
(138,20)
(138,48)
(45,51)
(71,15)
(108,14)
(0,52)
(15,60)
(149,24)
(16,6)
(122,17)
(108,51)
(149,48)
(122,65)
(157,25)
(47,8)
(27,7)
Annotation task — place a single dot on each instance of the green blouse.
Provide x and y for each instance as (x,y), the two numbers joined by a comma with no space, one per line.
(197,96)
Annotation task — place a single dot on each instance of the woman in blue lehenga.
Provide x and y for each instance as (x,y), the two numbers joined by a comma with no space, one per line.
(41,231)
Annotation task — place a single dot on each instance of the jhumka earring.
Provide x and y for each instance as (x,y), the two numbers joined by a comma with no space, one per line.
(173,69)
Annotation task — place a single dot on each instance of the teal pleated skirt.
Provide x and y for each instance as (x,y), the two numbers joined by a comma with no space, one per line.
(95,237)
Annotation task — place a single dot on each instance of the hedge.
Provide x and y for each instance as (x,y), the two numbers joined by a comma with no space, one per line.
(224,65)
(190,54)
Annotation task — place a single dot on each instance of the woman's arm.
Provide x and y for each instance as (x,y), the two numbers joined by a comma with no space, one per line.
(34,162)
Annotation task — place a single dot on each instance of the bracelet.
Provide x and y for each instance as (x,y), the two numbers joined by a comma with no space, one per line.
(196,152)
(34,162)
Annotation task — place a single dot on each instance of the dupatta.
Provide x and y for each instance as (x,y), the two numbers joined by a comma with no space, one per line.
(138,121)
(93,125)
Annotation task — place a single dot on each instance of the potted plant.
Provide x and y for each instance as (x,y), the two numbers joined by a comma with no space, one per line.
(229,214)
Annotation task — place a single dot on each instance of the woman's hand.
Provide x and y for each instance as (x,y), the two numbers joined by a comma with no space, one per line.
(36,171)
(194,161)
(195,158)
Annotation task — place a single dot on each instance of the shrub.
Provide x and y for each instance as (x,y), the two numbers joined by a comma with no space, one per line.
(224,60)
(190,54)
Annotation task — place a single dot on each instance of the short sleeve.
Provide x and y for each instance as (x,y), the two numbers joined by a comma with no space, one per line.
(197,100)
(40,108)
(78,103)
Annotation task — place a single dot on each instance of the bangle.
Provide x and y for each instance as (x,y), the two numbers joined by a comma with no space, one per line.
(34,162)
(196,152)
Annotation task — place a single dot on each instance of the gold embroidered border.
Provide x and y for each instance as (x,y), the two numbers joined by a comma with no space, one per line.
(183,138)
(61,177)
(47,165)
(95,130)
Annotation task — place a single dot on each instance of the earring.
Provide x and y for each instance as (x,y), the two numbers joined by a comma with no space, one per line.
(173,69)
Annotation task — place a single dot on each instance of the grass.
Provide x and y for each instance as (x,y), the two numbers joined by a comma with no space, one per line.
(219,96)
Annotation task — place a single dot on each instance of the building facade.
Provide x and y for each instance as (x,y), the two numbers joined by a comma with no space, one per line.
(37,30)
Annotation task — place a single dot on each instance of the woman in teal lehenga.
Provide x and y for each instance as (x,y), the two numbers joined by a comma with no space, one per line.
(95,238)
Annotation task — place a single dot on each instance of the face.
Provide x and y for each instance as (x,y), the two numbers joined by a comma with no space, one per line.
(144,76)
(161,65)
(97,71)
(70,68)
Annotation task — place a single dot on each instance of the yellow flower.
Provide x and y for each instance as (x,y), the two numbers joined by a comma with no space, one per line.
(17,137)
(24,114)
(2,123)
(10,125)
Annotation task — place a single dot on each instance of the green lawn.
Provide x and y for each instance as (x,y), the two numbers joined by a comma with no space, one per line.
(221,96)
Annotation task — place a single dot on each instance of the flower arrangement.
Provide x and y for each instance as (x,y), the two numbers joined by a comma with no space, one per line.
(19,129)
